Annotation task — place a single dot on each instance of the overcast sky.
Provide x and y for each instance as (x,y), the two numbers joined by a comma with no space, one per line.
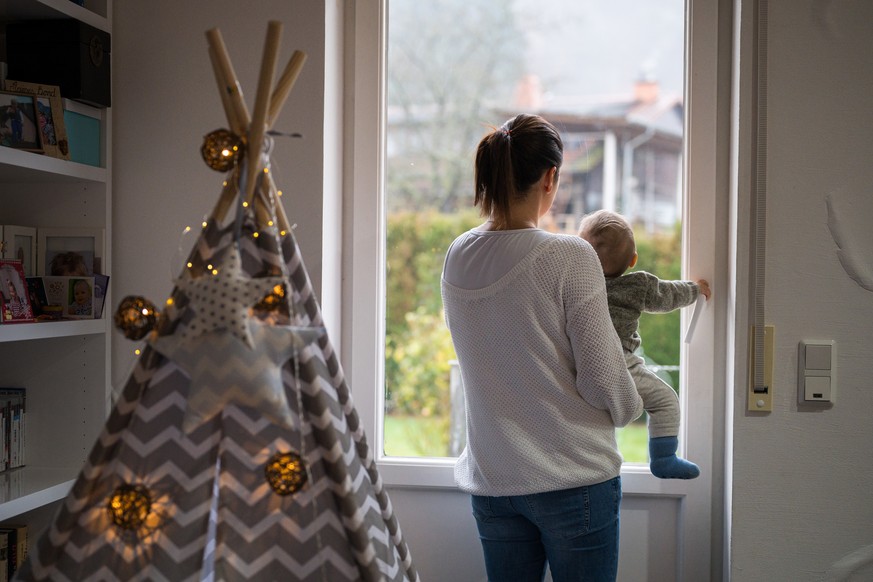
(604,46)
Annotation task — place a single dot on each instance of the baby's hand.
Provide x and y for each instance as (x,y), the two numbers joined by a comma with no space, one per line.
(703,287)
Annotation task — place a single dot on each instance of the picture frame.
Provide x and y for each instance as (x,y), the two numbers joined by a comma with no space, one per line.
(19,126)
(74,294)
(69,251)
(50,115)
(14,297)
(19,242)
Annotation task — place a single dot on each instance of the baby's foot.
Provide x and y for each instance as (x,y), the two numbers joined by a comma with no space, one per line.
(665,464)
(673,467)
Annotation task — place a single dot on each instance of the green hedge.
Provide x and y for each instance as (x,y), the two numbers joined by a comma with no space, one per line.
(418,346)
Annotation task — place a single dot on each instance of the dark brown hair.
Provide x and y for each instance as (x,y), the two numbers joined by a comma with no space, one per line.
(511,159)
(612,238)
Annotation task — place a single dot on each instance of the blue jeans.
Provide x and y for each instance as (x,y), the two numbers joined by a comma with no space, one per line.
(575,531)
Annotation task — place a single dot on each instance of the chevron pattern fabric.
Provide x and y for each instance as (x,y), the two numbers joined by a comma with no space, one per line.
(214,516)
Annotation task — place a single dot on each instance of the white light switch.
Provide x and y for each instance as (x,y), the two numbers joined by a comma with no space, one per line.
(816,372)
(818,357)
(817,389)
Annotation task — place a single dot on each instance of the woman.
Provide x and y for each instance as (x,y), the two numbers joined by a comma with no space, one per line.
(543,372)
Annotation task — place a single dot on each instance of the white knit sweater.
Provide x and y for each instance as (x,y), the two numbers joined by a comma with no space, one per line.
(544,377)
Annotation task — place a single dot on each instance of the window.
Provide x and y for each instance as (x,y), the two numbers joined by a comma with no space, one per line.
(451,68)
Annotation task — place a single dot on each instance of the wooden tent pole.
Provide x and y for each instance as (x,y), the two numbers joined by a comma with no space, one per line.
(234,124)
(257,128)
(227,79)
(284,85)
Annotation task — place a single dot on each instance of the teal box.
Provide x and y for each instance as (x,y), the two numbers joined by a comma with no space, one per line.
(83,135)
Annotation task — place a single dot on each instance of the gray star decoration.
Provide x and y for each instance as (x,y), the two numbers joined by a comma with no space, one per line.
(230,356)
(224,370)
(222,300)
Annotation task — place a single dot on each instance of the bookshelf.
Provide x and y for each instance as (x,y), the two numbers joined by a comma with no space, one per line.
(64,365)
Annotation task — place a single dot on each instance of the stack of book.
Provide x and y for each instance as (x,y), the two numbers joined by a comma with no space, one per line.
(13,420)
(13,549)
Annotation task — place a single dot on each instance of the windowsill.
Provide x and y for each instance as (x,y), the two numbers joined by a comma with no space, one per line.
(432,473)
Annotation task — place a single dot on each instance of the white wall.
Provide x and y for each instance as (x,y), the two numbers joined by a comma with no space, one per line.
(165,100)
(802,477)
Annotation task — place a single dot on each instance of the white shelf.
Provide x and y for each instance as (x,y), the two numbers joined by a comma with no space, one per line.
(14,332)
(68,380)
(28,488)
(17,166)
(51,9)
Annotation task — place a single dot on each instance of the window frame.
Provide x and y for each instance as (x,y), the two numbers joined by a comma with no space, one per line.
(363,255)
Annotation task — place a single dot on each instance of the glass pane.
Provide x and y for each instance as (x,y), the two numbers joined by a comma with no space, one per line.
(609,75)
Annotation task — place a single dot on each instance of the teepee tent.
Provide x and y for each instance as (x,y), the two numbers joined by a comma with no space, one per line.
(234,451)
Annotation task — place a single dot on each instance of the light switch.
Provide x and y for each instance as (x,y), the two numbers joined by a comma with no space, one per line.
(817,389)
(818,357)
(816,372)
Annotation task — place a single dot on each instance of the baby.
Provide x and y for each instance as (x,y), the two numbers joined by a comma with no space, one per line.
(629,295)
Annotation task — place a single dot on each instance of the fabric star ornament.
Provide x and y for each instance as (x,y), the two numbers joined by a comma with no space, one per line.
(225,370)
(222,300)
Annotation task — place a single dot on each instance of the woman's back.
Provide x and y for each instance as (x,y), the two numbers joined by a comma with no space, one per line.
(541,417)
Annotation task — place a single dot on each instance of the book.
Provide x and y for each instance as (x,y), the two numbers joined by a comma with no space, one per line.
(13,426)
(16,546)
(101,286)
(36,294)
(4,556)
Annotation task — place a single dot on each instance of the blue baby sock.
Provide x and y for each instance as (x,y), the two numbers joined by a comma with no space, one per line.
(665,464)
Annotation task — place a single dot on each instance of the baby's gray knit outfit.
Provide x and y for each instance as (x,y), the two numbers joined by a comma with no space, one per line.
(629,296)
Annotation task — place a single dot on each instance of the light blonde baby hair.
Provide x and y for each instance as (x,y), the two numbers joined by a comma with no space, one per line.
(612,238)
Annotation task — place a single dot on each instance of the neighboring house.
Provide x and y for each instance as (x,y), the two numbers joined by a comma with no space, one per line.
(622,153)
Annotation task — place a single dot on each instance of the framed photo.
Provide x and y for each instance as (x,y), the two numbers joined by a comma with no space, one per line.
(14,298)
(49,114)
(74,294)
(19,243)
(19,126)
(69,251)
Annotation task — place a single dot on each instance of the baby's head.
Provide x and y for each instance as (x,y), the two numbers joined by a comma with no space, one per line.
(612,238)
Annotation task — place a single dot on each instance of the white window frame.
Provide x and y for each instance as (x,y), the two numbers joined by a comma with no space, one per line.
(363,260)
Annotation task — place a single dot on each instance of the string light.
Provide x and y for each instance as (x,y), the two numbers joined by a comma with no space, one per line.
(129,505)
(221,150)
(135,317)
(286,473)
(255,234)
